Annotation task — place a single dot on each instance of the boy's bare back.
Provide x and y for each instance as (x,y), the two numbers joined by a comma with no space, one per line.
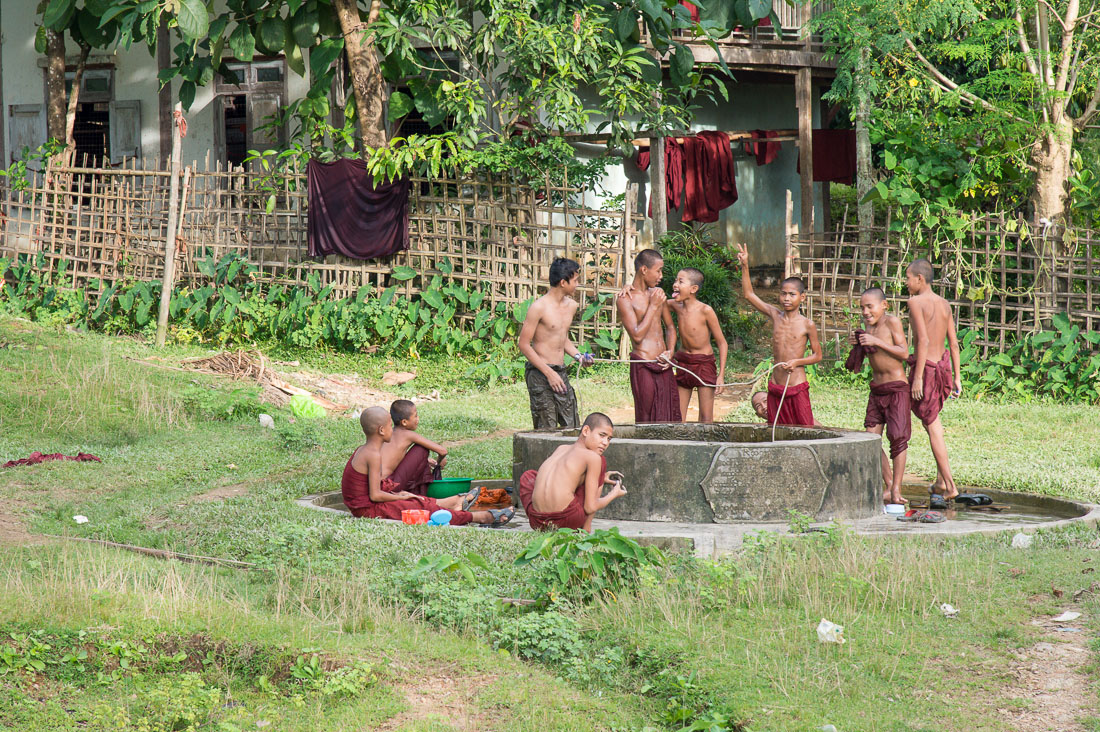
(934,313)
(393,452)
(559,476)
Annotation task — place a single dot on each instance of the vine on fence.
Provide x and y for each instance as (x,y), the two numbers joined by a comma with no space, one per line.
(232,307)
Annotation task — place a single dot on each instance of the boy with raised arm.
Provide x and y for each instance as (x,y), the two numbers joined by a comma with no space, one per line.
(883,343)
(567,489)
(788,388)
(406,458)
(544,341)
(367,495)
(697,324)
(649,324)
(930,376)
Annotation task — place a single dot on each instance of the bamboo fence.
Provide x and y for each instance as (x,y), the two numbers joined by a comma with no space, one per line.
(110,225)
(1004,277)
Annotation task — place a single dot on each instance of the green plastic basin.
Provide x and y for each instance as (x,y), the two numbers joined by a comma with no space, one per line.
(448,487)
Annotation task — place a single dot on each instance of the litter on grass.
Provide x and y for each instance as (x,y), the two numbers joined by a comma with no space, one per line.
(949,611)
(1066,617)
(1022,541)
(828,632)
(266,420)
(80,519)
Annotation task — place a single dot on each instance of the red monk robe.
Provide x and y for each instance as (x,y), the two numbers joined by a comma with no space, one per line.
(656,398)
(937,387)
(570,517)
(796,410)
(703,365)
(414,473)
(888,404)
(356,493)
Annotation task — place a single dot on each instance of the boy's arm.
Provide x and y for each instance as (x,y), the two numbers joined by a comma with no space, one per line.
(815,348)
(956,358)
(746,285)
(418,439)
(593,501)
(719,338)
(374,482)
(920,335)
(571,347)
(670,328)
(629,318)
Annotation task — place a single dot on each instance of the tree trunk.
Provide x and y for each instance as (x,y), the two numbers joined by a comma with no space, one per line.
(366,73)
(74,99)
(1051,156)
(55,85)
(863,153)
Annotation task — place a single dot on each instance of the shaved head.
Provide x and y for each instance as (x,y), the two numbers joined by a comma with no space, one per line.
(647,258)
(694,276)
(596,420)
(875,292)
(921,267)
(372,418)
(796,281)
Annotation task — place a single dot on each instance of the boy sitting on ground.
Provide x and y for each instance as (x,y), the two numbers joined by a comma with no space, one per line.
(884,344)
(565,492)
(788,387)
(697,324)
(406,458)
(366,494)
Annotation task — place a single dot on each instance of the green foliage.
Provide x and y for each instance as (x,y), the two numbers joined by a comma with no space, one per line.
(213,403)
(1062,364)
(298,436)
(231,306)
(583,567)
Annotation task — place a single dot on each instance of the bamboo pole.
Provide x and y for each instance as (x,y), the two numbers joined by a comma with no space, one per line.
(170,238)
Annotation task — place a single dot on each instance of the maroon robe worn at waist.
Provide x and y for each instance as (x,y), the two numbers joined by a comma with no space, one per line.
(858,353)
(656,398)
(937,387)
(570,517)
(795,409)
(414,473)
(356,493)
(351,216)
(703,365)
(888,404)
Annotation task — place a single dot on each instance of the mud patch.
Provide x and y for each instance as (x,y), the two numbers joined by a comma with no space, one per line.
(443,699)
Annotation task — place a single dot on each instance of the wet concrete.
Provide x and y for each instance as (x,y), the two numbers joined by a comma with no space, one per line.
(1025,512)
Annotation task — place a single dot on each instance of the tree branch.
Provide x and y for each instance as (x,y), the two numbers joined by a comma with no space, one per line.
(1064,64)
(1024,45)
(950,85)
(1050,8)
(1090,110)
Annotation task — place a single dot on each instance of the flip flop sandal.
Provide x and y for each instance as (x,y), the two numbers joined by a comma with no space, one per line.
(974,499)
(937,502)
(471,498)
(931,517)
(501,516)
(911,515)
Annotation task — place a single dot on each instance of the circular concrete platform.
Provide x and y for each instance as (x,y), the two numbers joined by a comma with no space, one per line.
(729,473)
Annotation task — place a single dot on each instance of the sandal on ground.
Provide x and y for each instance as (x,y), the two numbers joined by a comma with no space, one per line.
(932,517)
(470,498)
(974,499)
(937,502)
(911,515)
(501,516)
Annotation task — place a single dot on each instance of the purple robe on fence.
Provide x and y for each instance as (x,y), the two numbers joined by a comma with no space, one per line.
(349,215)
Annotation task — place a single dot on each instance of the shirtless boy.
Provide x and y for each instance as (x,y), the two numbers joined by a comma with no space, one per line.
(697,324)
(565,492)
(642,312)
(884,344)
(544,341)
(406,458)
(366,494)
(930,375)
(791,332)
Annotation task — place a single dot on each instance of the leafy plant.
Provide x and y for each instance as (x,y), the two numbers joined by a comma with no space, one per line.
(298,436)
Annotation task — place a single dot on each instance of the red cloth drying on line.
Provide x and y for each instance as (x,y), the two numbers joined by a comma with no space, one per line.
(37,457)
(834,156)
(765,152)
(674,173)
(709,177)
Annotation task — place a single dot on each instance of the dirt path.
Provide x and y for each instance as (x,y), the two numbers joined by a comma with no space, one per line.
(442,700)
(1050,678)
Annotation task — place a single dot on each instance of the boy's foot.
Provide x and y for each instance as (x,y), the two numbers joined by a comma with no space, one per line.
(501,516)
(470,498)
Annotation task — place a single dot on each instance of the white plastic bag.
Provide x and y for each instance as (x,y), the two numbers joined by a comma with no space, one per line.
(949,611)
(266,420)
(1022,541)
(828,632)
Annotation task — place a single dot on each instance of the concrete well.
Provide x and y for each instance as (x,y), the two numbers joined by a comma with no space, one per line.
(724,473)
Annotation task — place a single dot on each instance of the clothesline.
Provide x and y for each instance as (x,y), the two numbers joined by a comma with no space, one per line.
(644,139)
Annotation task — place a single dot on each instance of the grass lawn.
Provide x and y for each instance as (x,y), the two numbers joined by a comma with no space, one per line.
(731,637)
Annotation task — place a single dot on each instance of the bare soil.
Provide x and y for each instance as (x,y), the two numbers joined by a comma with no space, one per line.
(445,698)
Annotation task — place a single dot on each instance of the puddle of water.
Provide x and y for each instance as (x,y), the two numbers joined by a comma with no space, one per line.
(1021,508)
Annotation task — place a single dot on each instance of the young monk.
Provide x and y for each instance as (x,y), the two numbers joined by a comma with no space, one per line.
(932,365)
(544,341)
(883,342)
(791,332)
(366,494)
(565,492)
(759,400)
(406,458)
(698,325)
(642,312)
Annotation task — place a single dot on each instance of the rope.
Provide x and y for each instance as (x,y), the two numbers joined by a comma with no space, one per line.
(697,377)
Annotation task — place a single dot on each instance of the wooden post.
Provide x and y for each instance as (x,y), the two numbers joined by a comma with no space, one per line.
(803,94)
(170,238)
(788,228)
(658,197)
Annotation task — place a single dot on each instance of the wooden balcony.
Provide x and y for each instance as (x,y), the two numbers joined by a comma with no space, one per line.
(765,48)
